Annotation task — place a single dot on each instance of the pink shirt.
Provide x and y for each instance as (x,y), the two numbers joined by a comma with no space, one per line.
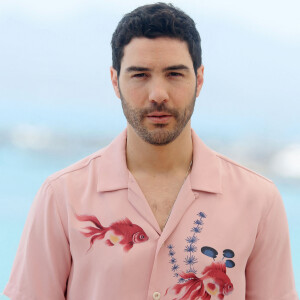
(91,234)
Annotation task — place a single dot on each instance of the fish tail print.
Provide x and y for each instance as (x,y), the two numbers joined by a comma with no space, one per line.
(92,219)
(192,289)
(97,232)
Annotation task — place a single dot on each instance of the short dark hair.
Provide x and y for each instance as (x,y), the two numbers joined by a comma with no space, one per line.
(153,21)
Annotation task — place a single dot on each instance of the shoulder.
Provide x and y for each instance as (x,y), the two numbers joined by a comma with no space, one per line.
(90,173)
(245,177)
(249,187)
(231,165)
(214,172)
(77,169)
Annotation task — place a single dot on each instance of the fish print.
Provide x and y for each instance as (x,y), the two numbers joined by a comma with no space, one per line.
(214,283)
(122,232)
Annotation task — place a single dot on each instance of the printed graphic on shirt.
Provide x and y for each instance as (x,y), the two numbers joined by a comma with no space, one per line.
(122,232)
(213,281)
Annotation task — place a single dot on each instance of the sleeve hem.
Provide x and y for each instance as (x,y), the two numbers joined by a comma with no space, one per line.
(15,294)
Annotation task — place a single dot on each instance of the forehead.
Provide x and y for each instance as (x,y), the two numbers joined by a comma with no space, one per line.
(162,51)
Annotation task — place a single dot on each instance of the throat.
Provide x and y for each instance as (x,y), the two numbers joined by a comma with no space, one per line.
(153,160)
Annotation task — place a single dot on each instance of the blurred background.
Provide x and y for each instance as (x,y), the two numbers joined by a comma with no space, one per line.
(58,106)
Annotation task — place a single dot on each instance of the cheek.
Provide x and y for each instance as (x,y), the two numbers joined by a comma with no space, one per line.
(183,92)
(134,95)
(182,99)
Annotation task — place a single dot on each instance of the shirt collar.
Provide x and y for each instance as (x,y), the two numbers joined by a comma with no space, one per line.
(112,167)
(113,173)
(206,170)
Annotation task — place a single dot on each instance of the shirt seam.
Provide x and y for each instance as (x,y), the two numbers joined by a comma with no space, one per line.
(242,167)
(71,171)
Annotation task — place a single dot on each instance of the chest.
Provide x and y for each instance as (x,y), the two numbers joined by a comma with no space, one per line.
(214,232)
(161,196)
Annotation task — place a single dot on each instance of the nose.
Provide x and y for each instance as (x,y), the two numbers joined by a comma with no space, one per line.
(158,91)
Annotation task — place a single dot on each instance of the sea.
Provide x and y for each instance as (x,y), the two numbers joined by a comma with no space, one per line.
(29,154)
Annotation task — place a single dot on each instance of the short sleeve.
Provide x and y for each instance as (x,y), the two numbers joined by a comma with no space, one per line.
(43,260)
(269,271)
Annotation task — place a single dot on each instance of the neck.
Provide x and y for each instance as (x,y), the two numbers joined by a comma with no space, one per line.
(143,157)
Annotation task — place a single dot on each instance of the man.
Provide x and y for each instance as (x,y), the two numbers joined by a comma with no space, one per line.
(156,214)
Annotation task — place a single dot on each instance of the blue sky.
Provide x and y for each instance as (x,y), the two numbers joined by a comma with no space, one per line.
(55,59)
(54,51)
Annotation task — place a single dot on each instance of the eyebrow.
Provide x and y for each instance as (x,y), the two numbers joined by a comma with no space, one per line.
(143,69)
(176,67)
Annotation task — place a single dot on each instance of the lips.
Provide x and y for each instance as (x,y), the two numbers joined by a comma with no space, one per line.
(159,117)
(158,114)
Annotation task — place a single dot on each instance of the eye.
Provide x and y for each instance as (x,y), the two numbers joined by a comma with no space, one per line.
(139,75)
(175,74)
(141,236)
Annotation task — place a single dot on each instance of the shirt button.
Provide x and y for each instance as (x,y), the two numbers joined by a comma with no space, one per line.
(156,295)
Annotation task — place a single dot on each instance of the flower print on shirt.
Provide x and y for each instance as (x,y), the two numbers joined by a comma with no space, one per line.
(213,281)
(122,232)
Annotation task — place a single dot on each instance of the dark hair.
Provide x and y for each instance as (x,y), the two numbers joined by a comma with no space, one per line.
(152,21)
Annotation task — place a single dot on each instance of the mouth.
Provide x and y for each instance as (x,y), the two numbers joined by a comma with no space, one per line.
(159,117)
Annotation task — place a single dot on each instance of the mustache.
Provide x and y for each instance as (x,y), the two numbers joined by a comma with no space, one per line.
(159,107)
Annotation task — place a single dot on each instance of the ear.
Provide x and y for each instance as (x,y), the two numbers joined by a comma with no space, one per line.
(200,73)
(114,80)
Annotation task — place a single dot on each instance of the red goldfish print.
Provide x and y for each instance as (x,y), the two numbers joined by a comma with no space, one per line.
(213,283)
(121,232)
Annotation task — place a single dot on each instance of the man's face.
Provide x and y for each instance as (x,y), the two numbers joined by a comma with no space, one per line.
(158,88)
